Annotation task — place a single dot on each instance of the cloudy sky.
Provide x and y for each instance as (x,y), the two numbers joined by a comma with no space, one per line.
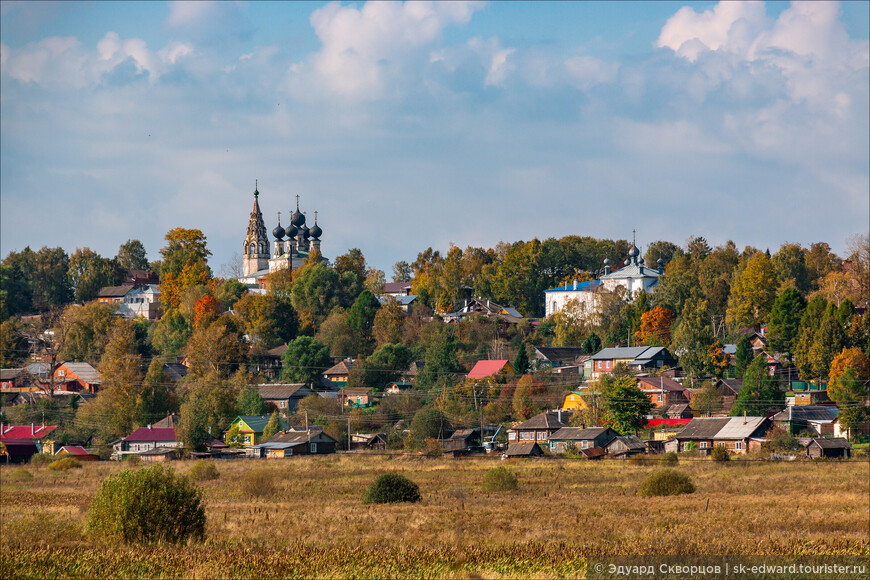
(414,125)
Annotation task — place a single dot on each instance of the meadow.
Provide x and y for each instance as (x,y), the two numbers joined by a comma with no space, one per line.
(303,518)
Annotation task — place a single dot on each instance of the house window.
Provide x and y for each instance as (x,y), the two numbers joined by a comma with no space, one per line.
(313,447)
(542,435)
(608,365)
(702,445)
(584,445)
(738,445)
(512,436)
(660,398)
(61,373)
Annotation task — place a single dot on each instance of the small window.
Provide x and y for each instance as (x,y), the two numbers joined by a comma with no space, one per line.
(313,447)
(702,445)
(738,445)
(584,445)
(512,436)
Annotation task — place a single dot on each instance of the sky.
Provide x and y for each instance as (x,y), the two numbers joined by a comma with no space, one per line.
(416,125)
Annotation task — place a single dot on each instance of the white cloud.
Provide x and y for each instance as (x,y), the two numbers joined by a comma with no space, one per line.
(724,27)
(365,49)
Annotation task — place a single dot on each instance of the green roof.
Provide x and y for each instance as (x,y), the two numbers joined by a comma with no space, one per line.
(257,423)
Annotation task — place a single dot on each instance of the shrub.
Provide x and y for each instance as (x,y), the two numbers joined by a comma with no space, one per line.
(720,454)
(259,482)
(499,479)
(65,463)
(433,448)
(666,482)
(204,470)
(392,488)
(669,459)
(41,459)
(133,459)
(19,474)
(147,505)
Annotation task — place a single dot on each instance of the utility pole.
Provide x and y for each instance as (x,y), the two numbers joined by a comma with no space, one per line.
(348,433)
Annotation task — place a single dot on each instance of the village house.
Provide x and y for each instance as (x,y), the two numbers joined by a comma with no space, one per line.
(290,443)
(284,397)
(141,301)
(462,442)
(577,438)
(339,373)
(20,438)
(15,381)
(77,452)
(405,303)
(396,388)
(113,294)
(818,419)
(663,391)
(738,435)
(250,429)
(272,362)
(357,397)
(146,439)
(483,369)
(360,441)
(638,358)
(76,376)
(525,449)
(830,448)
(625,446)
(397,289)
(538,428)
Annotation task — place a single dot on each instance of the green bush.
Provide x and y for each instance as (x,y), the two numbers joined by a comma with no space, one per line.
(669,459)
(666,482)
(499,479)
(720,454)
(392,488)
(132,459)
(259,482)
(41,459)
(147,505)
(19,474)
(204,470)
(65,463)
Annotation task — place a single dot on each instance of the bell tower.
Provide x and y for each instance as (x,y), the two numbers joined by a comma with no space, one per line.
(255,254)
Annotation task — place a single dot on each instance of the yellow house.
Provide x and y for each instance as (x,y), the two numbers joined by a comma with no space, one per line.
(574,402)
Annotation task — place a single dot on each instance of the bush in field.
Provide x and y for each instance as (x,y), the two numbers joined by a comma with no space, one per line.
(499,479)
(19,474)
(669,459)
(392,488)
(133,459)
(720,454)
(65,463)
(666,482)
(147,505)
(41,459)
(203,470)
(259,482)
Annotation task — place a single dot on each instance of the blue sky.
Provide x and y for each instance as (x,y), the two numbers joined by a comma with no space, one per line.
(414,125)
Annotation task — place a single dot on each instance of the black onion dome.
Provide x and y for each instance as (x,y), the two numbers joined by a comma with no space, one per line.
(291,232)
(306,233)
(660,261)
(278,232)
(298,218)
(316,232)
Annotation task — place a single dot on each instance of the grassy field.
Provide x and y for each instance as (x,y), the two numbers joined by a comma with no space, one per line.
(312,524)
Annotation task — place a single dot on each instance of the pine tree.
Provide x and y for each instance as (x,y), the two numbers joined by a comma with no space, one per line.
(744,355)
(272,427)
(785,317)
(521,363)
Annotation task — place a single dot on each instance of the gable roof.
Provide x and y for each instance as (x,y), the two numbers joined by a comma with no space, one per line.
(650,354)
(815,413)
(660,383)
(9,374)
(342,368)
(732,385)
(523,450)
(175,371)
(84,371)
(578,433)
(168,421)
(114,291)
(624,352)
(400,300)
(488,368)
(630,441)
(271,392)
(258,423)
(546,420)
(76,450)
(26,431)
(703,427)
(832,443)
(559,354)
(276,352)
(396,287)
(152,434)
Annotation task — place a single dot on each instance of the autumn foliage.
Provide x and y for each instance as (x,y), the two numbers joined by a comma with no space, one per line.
(655,326)
(207,309)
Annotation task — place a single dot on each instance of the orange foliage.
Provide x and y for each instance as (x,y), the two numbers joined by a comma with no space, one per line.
(655,325)
(207,309)
(850,358)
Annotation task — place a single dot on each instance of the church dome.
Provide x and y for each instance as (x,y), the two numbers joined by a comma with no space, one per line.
(306,233)
(316,231)
(291,232)
(298,218)
(660,261)
(278,232)
(633,252)
(606,261)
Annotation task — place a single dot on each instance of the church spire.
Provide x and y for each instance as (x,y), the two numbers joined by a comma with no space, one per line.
(255,254)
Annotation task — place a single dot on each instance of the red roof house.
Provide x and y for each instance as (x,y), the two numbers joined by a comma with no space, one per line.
(489,368)
(145,439)
(25,431)
(78,452)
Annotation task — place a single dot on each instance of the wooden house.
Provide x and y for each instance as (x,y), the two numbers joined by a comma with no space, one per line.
(577,438)
(145,439)
(78,452)
(250,428)
(357,397)
(555,357)
(538,428)
(284,397)
(574,401)
(76,377)
(36,434)
(360,441)
(290,443)
(663,391)
(818,419)
(831,448)
(736,434)
(15,381)
(462,442)
(527,449)
(625,446)
(639,358)
(17,450)
(339,373)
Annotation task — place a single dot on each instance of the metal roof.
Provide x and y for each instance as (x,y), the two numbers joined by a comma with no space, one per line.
(578,433)
(146,434)
(815,413)
(283,391)
(400,300)
(487,368)
(625,352)
(84,371)
(740,427)
(833,443)
(581,287)
(632,271)
(547,420)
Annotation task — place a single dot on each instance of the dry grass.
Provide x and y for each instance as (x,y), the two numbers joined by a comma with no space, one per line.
(563,510)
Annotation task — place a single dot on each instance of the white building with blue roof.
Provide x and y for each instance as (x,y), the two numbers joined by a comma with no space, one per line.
(634,276)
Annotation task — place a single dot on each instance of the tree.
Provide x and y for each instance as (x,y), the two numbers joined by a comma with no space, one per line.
(89,273)
(707,401)
(229,292)
(569,324)
(360,319)
(375,281)
(184,246)
(86,331)
(625,405)
(859,269)
(207,309)
(120,380)
(743,354)
(335,334)
(157,398)
(530,397)
(790,267)
(819,261)
(717,360)
(753,291)
(131,256)
(521,362)
(692,337)
(678,284)
(50,282)
(428,423)
(401,271)
(384,366)
(591,344)
(759,391)
(828,341)
(388,323)
(655,326)
(170,334)
(785,317)
(16,286)
(272,427)
(441,365)
(353,261)
(316,293)
(660,250)
(304,360)
(249,402)
(209,406)
(216,349)
(846,391)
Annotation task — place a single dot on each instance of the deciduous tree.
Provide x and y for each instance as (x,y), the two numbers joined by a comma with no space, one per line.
(753,291)
(305,360)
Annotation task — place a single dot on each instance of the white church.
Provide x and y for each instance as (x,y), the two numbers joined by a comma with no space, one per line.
(291,247)
(634,276)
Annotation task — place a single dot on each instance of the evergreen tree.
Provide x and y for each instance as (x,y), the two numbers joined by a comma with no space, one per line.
(785,317)
(743,356)
(521,362)
(272,427)
(249,402)
(759,391)
(591,344)
(360,320)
